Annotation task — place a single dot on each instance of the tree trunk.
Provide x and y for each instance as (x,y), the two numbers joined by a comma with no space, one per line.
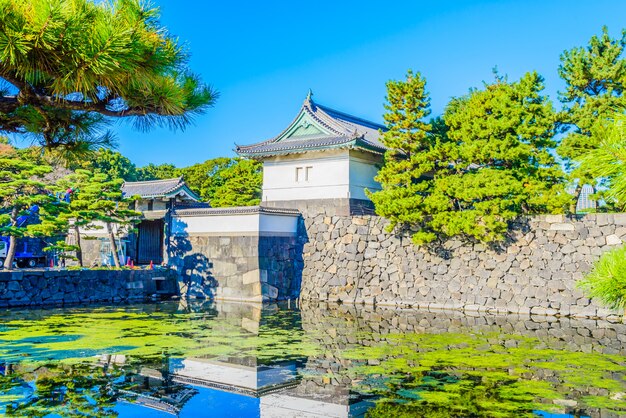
(8,262)
(572,206)
(116,258)
(79,251)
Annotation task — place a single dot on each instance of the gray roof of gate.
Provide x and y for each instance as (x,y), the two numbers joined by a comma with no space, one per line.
(158,188)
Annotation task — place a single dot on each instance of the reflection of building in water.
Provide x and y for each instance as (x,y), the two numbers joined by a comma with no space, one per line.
(312,401)
(237,375)
(150,387)
(209,386)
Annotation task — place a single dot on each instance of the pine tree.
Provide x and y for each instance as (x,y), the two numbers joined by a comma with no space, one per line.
(595,78)
(501,161)
(79,213)
(111,207)
(490,163)
(72,65)
(412,157)
(24,193)
(96,199)
(607,162)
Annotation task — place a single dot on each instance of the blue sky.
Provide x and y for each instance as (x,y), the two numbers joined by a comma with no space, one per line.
(264,56)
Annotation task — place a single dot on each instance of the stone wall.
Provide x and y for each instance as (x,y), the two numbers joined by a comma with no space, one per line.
(250,268)
(353,260)
(63,287)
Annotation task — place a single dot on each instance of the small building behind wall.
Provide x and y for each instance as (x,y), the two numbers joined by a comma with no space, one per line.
(157,198)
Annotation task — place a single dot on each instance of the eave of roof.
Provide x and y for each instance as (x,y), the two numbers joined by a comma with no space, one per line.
(345,131)
(239,210)
(166,188)
(356,143)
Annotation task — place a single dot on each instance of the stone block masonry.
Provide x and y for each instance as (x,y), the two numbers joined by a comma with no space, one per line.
(57,288)
(353,260)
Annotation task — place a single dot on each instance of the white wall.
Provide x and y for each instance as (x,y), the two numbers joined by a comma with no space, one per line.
(363,169)
(332,175)
(248,224)
(329,176)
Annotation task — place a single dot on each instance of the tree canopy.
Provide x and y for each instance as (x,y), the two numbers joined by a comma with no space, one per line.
(595,81)
(490,163)
(157,172)
(26,206)
(242,184)
(71,65)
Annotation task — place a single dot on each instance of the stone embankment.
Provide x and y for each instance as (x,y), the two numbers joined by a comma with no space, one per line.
(63,287)
(353,260)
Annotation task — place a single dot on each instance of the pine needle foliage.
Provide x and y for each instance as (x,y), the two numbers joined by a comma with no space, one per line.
(71,65)
(607,280)
(98,200)
(595,80)
(472,176)
(22,187)
(412,156)
(607,161)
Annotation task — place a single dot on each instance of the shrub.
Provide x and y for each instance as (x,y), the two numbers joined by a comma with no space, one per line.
(607,280)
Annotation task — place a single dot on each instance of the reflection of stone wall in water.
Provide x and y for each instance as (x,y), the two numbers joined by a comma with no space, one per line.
(337,329)
(353,259)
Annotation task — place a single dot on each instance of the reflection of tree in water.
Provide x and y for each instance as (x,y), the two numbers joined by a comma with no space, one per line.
(464,371)
(93,389)
(439,394)
(476,376)
(77,390)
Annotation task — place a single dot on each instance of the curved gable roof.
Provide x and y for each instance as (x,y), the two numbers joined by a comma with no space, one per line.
(317,128)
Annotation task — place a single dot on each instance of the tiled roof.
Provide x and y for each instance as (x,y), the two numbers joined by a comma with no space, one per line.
(340,130)
(239,210)
(157,188)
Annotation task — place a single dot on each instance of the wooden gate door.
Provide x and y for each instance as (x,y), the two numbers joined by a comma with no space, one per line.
(150,242)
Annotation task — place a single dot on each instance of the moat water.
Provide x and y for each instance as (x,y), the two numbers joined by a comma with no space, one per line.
(239,360)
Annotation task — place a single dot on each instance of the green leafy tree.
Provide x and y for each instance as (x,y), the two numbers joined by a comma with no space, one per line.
(242,185)
(413,155)
(21,188)
(72,65)
(491,163)
(111,163)
(80,212)
(96,198)
(157,172)
(205,178)
(595,79)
